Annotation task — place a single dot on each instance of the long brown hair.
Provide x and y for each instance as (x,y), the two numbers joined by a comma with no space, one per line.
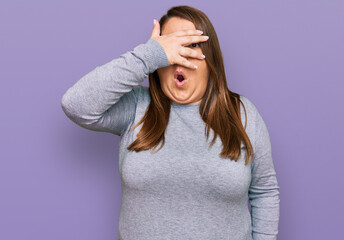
(219,109)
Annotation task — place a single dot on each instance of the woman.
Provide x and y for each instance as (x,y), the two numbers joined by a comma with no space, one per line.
(189,188)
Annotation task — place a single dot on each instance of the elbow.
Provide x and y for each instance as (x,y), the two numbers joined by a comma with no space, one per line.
(64,104)
(73,109)
(67,105)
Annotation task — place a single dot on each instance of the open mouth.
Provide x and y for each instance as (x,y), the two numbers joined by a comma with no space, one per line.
(179,76)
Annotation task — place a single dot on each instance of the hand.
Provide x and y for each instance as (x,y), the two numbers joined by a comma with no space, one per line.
(174,43)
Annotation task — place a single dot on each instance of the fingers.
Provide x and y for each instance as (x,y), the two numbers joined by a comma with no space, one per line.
(188,32)
(185,53)
(193,39)
(156,29)
(176,41)
(184,62)
(188,52)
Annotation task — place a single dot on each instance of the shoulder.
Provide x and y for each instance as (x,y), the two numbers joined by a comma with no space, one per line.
(251,110)
(248,104)
(256,127)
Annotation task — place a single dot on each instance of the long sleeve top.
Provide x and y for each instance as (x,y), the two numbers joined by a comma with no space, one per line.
(185,190)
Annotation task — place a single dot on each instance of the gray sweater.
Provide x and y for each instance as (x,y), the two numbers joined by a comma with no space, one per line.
(185,190)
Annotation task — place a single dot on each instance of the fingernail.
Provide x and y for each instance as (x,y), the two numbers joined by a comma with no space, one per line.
(195,67)
(200,31)
(202,56)
(154,21)
(205,37)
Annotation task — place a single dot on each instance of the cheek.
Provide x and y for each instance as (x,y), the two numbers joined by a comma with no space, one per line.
(203,70)
(163,74)
(203,75)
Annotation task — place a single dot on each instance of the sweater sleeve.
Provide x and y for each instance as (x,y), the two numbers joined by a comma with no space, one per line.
(105,99)
(264,189)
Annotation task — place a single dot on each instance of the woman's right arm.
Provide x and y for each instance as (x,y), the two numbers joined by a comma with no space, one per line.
(104,99)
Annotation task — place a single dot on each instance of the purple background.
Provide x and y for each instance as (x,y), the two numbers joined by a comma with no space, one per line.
(60,181)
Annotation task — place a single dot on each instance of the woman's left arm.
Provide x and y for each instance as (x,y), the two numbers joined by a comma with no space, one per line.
(264,190)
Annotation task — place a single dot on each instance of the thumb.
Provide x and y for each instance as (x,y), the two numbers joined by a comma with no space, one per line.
(156,29)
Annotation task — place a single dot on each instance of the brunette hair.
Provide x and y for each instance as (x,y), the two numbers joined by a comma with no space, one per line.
(219,109)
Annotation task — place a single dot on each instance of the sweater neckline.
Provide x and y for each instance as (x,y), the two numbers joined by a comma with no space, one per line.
(185,105)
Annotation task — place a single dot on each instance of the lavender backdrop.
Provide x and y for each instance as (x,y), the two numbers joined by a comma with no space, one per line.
(60,181)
